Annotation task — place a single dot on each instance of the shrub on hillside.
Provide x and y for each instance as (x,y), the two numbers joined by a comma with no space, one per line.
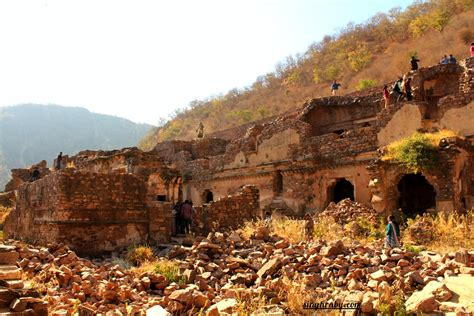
(365,84)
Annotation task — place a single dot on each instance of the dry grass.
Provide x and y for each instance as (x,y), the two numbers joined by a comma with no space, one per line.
(4,211)
(168,268)
(449,232)
(140,254)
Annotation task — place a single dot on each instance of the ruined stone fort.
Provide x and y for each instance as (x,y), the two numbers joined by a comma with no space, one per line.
(326,150)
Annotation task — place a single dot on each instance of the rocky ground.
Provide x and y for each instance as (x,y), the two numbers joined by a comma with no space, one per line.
(225,274)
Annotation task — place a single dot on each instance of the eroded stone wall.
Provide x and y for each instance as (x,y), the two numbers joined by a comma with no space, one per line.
(91,212)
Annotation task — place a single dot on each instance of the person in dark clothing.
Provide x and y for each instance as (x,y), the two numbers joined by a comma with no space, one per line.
(59,161)
(414,63)
(334,87)
(407,88)
(451,59)
(178,219)
(35,174)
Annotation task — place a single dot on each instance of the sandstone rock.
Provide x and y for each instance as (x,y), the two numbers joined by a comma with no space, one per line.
(270,310)
(269,268)
(378,275)
(10,273)
(226,306)
(157,310)
(334,249)
(183,296)
(18,305)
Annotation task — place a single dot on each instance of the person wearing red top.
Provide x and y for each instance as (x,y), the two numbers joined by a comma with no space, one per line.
(386,96)
(472,49)
(187,212)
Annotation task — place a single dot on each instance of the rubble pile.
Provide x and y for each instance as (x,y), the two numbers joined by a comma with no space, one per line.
(221,271)
(348,211)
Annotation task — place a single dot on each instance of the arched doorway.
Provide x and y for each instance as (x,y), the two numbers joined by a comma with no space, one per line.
(341,190)
(416,194)
(208,196)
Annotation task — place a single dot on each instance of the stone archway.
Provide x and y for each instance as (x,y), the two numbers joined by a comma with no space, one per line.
(340,190)
(416,194)
(208,196)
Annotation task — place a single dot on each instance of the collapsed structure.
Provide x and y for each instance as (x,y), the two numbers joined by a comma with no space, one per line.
(326,151)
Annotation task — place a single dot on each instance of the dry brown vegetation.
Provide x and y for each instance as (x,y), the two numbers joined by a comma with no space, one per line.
(373,52)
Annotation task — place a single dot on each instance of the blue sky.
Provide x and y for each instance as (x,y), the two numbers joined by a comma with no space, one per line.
(143,59)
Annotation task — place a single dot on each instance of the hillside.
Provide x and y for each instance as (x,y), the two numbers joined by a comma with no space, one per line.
(31,132)
(359,56)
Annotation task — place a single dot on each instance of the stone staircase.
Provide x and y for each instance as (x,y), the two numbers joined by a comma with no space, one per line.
(15,299)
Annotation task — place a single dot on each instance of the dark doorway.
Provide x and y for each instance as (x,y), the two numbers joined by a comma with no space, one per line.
(208,196)
(161,198)
(277,183)
(341,190)
(416,194)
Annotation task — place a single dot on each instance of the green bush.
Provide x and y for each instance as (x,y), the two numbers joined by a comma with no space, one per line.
(366,84)
(416,152)
(170,270)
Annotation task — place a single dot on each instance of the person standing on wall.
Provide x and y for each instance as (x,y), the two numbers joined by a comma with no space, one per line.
(414,63)
(59,161)
(334,87)
(407,88)
(386,96)
(472,49)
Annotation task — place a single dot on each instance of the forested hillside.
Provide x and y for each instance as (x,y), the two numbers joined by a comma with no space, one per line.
(359,56)
(30,133)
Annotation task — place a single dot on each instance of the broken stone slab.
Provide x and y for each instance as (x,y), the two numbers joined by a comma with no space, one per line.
(8,255)
(270,310)
(426,300)
(333,249)
(8,312)
(12,284)
(157,310)
(463,288)
(224,307)
(7,296)
(10,273)
(269,268)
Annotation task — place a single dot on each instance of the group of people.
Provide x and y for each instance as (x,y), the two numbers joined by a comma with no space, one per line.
(448,60)
(401,89)
(183,218)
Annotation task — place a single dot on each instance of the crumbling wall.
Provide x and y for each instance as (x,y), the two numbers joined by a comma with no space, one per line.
(228,212)
(90,212)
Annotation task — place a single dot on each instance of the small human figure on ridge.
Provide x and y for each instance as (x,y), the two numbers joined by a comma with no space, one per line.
(452,59)
(407,88)
(334,87)
(200,130)
(386,96)
(414,63)
(59,161)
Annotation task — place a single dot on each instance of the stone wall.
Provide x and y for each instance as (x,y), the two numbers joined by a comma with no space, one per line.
(228,212)
(91,212)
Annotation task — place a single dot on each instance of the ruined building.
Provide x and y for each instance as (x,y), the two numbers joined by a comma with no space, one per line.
(299,162)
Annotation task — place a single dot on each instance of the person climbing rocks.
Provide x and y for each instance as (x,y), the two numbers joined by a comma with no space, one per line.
(308,227)
(407,88)
(187,212)
(397,90)
(59,161)
(414,63)
(386,96)
(472,49)
(452,59)
(200,130)
(392,233)
(334,87)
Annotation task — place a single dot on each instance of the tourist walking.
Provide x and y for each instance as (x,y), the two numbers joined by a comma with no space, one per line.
(187,212)
(308,227)
(414,63)
(392,233)
(386,96)
(397,90)
(334,87)
(407,88)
